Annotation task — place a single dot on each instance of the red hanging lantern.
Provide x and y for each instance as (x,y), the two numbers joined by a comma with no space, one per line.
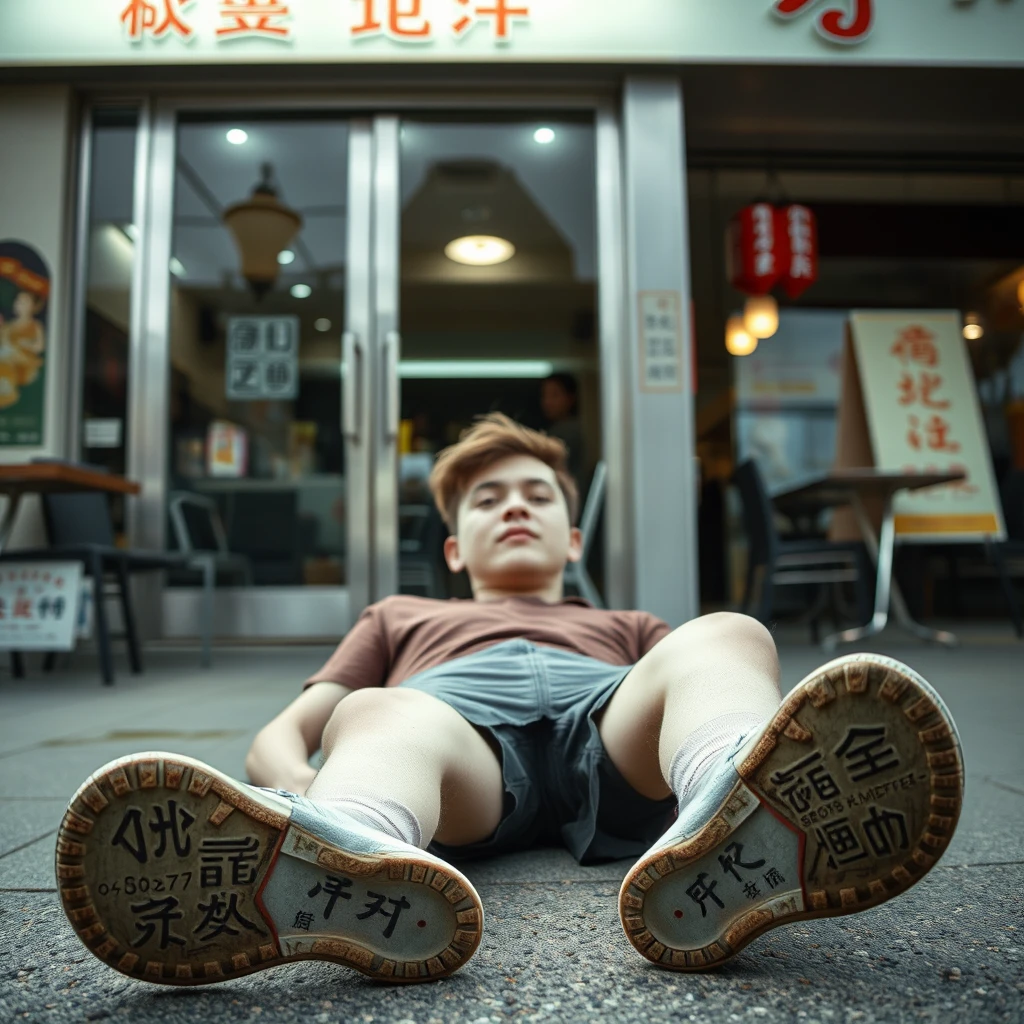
(752,250)
(797,232)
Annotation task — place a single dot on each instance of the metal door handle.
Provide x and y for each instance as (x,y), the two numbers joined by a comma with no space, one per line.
(392,349)
(352,385)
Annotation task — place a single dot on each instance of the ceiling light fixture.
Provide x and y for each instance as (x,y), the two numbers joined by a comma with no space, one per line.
(262,227)
(479,250)
(972,327)
(177,267)
(544,136)
(285,256)
(761,316)
(738,341)
(1020,293)
(322,324)
(300,291)
(236,136)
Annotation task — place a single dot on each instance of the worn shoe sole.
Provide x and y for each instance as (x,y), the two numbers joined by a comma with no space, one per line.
(174,873)
(845,799)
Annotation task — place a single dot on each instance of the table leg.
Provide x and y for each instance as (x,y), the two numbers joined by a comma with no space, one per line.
(887,591)
(10,514)
(881,551)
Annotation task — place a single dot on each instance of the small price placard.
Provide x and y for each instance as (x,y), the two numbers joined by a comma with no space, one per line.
(39,605)
(661,365)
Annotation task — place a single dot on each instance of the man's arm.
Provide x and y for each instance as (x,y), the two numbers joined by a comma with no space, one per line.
(279,755)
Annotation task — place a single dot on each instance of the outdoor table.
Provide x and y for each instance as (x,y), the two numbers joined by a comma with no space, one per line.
(854,487)
(52,478)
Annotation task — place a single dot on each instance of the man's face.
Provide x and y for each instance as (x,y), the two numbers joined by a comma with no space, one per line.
(513,527)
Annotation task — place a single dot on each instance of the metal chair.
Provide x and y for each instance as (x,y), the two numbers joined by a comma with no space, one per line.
(79,528)
(420,535)
(776,561)
(576,574)
(201,539)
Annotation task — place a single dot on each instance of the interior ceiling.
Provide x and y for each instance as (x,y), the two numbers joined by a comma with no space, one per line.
(554,184)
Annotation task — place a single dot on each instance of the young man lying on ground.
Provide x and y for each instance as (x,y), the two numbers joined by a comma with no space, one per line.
(457,729)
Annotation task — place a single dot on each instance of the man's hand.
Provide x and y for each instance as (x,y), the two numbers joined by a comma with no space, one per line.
(279,755)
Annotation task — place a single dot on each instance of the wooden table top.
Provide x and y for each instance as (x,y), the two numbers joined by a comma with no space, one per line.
(59,477)
(838,485)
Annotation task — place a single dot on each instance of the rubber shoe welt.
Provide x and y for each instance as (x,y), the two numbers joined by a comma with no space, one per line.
(844,799)
(172,872)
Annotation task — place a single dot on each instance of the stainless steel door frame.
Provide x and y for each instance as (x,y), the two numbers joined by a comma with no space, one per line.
(243,612)
(387,352)
(616,405)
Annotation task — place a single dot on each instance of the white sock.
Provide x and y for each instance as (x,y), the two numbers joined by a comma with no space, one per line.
(699,750)
(383,814)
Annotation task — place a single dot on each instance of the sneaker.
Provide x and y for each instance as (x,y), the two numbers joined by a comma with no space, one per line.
(844,799)
(172,872)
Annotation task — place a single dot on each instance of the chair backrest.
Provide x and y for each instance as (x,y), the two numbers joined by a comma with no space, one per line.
(197,524)
(592,507)
(76,519)
(758,518)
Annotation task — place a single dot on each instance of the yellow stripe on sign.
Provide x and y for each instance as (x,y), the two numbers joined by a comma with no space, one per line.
(985,523)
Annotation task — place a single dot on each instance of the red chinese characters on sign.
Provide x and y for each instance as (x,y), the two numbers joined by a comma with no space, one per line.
(403,20)
(141,18)
(498,13)
(797,232)
(252,18)
(850,23)
(929,432)
(752,250)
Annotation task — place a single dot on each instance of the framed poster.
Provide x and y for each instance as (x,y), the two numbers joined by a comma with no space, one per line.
(24,302)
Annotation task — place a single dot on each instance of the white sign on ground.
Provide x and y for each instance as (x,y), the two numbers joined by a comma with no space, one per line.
(923,416)
(39,605)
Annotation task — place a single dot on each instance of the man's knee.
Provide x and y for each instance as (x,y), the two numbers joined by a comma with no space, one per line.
(384,709)
(707,635)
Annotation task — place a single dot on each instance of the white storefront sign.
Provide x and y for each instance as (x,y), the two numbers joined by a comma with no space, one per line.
(262,357)
(923,416)
(115,32)
(40,605)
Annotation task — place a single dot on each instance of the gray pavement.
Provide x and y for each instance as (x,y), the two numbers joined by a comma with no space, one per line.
(553,950)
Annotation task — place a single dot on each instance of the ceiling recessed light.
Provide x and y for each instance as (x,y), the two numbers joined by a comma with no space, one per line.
(236,136)
(972,327)
(285,256)
(479,250)
(177,268)
(301,291)
(544,136)
(322,324)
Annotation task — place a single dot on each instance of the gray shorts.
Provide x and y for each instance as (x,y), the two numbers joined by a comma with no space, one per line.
(560,785)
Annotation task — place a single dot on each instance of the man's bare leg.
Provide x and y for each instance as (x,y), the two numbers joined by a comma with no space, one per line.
(407,746)
(717,665)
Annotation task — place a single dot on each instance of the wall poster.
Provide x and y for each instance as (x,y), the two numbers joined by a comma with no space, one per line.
(24,302)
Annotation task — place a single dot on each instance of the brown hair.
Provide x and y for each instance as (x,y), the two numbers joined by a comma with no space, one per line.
(490,438)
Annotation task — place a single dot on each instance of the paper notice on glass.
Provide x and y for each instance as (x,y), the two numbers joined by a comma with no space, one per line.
(661,342)
(923,416)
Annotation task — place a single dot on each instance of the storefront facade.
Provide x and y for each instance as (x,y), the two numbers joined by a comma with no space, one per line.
(391,128)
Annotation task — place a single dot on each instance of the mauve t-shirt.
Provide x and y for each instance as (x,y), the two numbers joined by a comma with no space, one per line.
(402,636)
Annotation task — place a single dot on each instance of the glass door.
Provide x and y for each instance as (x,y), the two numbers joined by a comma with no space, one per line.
(487,300)
(267,287)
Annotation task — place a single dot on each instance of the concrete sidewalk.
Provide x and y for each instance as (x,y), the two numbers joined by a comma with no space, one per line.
(553,948)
